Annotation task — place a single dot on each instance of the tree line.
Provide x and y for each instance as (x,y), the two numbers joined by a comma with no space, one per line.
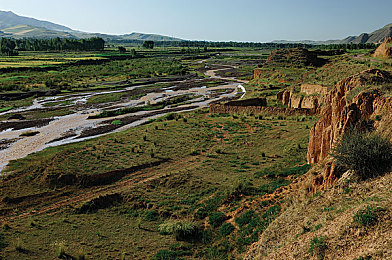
(60,44)
(11,47)
(269,45)
(348,46)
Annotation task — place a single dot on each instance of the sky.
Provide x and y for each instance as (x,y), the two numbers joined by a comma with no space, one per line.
(214,20)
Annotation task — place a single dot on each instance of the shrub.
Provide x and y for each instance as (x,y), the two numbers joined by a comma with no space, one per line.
(165,255)
(61,251)
(318,246)
(151,215)
(366,217)
(182,229)
(117,122)
(367,154)
(3,244)
(245,218)
(226,229)
(216,219)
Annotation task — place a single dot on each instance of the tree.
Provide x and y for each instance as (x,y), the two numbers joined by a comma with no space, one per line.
(122,49)
(7,47)
(148,45)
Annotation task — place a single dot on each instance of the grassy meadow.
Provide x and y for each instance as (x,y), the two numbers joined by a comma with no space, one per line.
(191,185)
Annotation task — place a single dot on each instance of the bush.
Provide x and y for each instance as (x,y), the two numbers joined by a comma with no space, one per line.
(165,255)
(151,215)
(226,229)
(216,219)
(245,218)
(366,217)
(318,247)
(182,229)
(367,154)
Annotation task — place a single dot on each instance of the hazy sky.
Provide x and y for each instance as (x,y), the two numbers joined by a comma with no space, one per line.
(214,20)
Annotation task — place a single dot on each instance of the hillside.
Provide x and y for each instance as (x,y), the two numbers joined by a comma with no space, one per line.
(26,31)
(332,213)
(15,26)
(374,37)
(10,19)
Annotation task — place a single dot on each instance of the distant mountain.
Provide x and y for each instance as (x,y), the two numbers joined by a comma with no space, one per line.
(27,31)
(15,26)
(9,19)
(375,37)
(148,37)
(310,42)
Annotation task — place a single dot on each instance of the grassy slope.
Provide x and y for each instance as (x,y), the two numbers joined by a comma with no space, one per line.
(204,170)
(330,214)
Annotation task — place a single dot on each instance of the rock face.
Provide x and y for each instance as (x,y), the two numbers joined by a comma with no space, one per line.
(339,114)
(384,50)
(311,89)
(257,74)
(310,97)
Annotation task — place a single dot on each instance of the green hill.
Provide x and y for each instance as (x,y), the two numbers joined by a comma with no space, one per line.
(15,26)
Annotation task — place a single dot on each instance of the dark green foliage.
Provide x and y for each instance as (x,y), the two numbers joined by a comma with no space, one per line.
(206,236)
(122,49)
(299,170)
(252,225)
(176,251)
(151,215)
(226,229)
(271,172)
(3,244)
(58,44)
(245,218)
(318,246)
(219,251)
(366,217)
(367,154)
(273,185)
(216,219)
(209,206)
(148,45)
(271,213)
(7,47)
(166,255)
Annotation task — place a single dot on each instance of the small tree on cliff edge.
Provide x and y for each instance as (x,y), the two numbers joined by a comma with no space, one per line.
(367,154)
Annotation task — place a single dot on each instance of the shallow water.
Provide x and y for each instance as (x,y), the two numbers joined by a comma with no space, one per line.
(77,122)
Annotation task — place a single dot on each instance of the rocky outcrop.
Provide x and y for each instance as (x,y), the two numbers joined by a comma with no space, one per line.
(310,97)
(312,89)
(257,74)
(339,114)
(384,50)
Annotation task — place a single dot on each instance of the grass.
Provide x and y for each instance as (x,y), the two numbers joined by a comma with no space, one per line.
(197,168)
(87,77)
(189,191)
(366,217)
